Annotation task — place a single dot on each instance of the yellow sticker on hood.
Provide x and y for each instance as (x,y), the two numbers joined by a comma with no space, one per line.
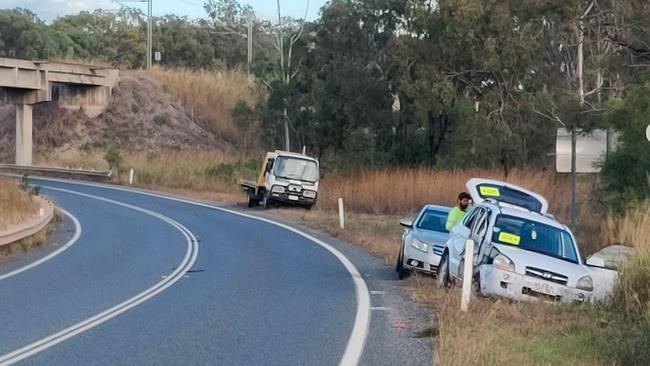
(489,191)
(509,238)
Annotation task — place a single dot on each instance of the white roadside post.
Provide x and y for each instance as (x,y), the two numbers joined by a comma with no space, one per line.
(647,133)
(341,214)
(131,177)
(467,275)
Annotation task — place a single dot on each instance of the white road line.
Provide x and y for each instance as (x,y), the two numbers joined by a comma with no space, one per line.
(70,243)
(357,340)
(187,263)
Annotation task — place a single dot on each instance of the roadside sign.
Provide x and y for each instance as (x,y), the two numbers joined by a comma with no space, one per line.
(590,150)
(157,56)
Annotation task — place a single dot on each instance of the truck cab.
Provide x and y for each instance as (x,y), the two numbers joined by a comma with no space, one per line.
(287,178)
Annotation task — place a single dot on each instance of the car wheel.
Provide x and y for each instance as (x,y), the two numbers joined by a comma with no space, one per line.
(252,202)
(442,279)
(402,272)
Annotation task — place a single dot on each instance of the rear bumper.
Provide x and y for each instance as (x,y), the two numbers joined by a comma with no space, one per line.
(496,282)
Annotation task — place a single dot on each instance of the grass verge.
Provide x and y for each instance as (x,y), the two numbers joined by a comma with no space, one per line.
(498,331)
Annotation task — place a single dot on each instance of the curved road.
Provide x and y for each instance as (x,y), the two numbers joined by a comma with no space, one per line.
(141,279)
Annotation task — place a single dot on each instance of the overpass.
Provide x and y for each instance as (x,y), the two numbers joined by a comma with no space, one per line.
(73,86)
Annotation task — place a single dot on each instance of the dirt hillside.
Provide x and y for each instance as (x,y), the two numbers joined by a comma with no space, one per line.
(141,117)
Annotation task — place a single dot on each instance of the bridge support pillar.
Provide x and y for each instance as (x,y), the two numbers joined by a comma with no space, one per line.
(23,134)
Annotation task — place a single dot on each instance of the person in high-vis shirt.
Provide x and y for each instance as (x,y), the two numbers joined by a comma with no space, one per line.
(457,213)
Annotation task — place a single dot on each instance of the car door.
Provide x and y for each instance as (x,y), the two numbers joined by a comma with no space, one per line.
(457,237)
(480,234)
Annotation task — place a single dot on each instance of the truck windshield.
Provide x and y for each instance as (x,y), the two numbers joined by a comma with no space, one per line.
(535,237)
(296,168)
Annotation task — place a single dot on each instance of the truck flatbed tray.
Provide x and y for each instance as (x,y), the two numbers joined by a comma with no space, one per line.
(248,184)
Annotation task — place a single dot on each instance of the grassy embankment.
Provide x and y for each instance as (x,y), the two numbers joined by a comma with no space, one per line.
(494,331)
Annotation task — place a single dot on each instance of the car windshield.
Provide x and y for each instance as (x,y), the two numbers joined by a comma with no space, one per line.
(296,168)
(433,220)
(535,237)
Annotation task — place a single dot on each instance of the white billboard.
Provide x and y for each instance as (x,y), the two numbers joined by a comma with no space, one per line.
(590,150)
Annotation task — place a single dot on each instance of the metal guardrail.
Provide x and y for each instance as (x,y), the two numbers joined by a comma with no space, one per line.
(56,172)
(33,226)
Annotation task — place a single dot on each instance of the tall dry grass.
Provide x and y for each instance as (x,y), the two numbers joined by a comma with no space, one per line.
(199,170)
(210,96)
(15,204)
(632,296)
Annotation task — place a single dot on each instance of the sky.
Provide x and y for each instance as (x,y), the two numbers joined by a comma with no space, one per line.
(48,10)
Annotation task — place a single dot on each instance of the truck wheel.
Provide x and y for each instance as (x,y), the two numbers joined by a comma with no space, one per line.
(252,202)
(266,201)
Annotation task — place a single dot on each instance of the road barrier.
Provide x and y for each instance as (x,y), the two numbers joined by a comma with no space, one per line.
(32,226)
(56,172)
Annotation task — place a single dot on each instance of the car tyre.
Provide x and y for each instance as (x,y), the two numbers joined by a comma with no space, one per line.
(442,279)
(402,272)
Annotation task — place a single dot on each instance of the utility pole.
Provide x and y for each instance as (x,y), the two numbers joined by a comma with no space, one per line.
(149,37)
(149,26)
(250,41)
(580,35)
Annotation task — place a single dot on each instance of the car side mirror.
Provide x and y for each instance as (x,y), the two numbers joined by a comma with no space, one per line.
(406,222)
(593,261)
(269,165)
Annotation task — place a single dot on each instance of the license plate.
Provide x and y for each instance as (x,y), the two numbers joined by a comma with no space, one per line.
(545,288)
(293,198)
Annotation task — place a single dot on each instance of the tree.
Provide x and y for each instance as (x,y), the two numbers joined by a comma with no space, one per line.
(626,171)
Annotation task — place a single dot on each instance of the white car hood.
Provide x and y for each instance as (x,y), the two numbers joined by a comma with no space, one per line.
(524,258)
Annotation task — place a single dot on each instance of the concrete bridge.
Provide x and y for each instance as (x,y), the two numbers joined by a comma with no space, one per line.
(73,86)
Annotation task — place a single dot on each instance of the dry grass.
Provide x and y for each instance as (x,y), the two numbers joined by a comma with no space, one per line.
(199,170)
(16,205)
(210,96)
(633,292)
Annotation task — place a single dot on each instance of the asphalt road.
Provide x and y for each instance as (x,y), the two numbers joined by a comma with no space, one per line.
(133,278)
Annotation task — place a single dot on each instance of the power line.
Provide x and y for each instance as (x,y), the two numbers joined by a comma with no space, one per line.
(191,3)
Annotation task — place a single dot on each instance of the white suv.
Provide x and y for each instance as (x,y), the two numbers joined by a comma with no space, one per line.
(520,251)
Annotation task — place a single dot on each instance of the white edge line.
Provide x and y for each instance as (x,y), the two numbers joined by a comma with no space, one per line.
(359,334)
(188,261)
(70,243)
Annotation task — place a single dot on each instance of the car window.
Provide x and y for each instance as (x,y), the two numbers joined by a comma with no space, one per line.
(534,236)
(471,217)
(482,223)
(434,220)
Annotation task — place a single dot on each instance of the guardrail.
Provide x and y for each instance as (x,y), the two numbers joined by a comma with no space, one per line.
(31,227)
(56,172)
